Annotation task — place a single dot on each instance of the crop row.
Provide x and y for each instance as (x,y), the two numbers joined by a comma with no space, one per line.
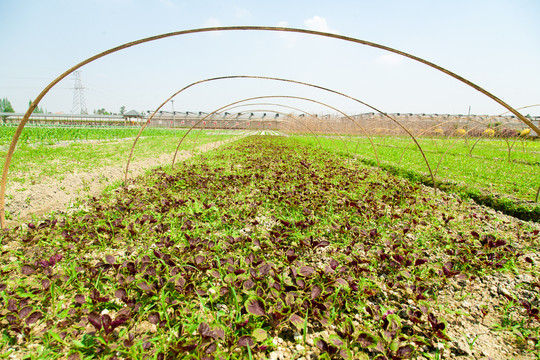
(263,242)
(487,176)
(52,135)
(31,164)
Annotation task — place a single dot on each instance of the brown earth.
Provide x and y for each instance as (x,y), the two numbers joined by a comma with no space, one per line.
(24,201)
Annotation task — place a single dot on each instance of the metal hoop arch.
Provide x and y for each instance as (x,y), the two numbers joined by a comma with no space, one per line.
(36,101)
(285,114)
(275,79)
(249,99)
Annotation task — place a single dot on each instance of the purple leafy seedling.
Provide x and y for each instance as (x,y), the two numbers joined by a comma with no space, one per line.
(306,271)
(415,316)
(120,294)
(367,341)
(531,311)
(332,349)
(248,284)
(154,318)
(33,317)
(246,341)
(105,322)
(447,270)
(205,331)
(297,321)
(80,299)
(336,341)
(27,270)
(96,297)
(438,327)
(342,282)
(291,256)
(316,290)
(25,311)
(255,306)
(110,259)
(346,330)
(405,351)
(242,324)
(209,350)
(322,345)
(45,283)
(53,260)
(264,269)
(95,319)
(419,262)
(129,341)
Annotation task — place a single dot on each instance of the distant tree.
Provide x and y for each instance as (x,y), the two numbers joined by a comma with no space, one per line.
(102,111)
(5,106)
(37,110)
(122,110)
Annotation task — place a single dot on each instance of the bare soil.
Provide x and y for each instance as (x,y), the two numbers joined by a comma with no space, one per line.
(23,201)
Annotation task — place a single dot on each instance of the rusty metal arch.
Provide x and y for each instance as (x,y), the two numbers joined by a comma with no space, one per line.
(311,116)
(210,115)
(247,111)
(282,80)
(274,111)
(249,99)
(287,115)
(519,108)
(36,101)
(277,112)
(251,110)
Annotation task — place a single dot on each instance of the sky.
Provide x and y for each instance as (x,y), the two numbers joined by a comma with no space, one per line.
(493,43)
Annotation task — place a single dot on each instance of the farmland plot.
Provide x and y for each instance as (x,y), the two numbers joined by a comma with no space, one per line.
(267,248)
(52,176)
(481,170)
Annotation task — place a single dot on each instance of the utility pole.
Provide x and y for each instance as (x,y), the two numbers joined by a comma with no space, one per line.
(79,101)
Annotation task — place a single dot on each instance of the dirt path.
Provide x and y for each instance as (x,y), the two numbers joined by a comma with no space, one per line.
(23,201)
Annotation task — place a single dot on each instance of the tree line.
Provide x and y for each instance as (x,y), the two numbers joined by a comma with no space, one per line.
(6,107)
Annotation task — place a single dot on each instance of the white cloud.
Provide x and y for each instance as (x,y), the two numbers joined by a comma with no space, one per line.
(318,23)
(390,59)
(212,22)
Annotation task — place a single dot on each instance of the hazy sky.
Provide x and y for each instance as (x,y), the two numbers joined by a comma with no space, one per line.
(494,43)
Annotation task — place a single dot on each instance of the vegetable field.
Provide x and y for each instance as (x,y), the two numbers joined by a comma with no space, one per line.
(500,173)
(272,248)
(50,135)
(66,151)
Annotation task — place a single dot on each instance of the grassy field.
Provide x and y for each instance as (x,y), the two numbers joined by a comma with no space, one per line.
(51,135)
(45,153)
(268,248)
(485,176)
